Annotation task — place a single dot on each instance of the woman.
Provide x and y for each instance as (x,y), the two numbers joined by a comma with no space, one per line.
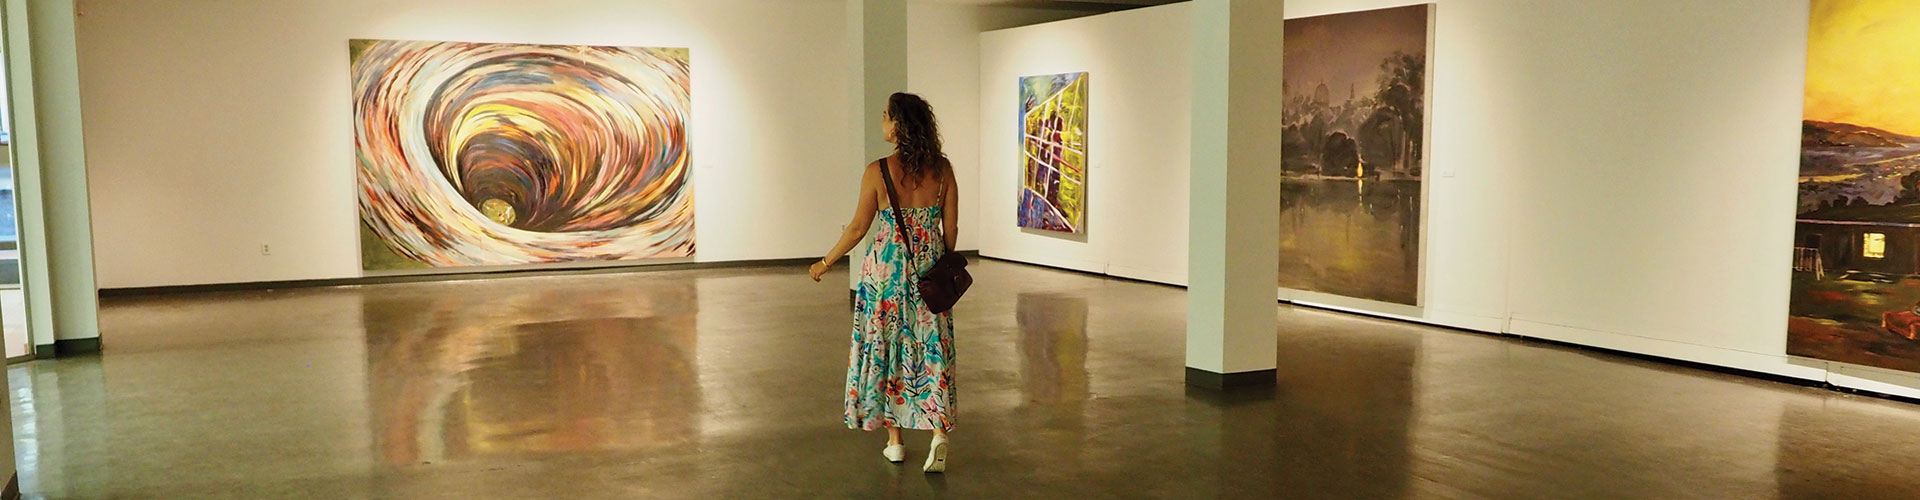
(900,370)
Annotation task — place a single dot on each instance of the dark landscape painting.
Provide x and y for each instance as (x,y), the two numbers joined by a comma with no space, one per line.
(1856,251)
(1354,146)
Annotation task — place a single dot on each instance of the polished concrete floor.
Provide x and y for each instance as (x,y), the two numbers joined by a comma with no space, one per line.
(726,384)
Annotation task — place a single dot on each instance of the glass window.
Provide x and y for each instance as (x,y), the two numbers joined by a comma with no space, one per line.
(1875,246)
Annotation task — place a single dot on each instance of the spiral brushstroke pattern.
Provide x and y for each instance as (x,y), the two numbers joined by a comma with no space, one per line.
(487,154)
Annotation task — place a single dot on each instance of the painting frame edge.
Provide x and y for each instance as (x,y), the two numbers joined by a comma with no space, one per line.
(1080,233)
(1418,309)
(356,45)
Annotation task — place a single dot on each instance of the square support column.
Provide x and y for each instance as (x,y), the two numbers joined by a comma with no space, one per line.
(56,226)
(1234,236)
(879,69)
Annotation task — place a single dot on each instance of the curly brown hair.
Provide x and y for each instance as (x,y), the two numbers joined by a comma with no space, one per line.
(916,135)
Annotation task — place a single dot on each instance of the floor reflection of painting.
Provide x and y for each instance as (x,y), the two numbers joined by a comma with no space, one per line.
(1856,266)
(1053,138)
(452,378)
(1354,153)
(1053,348)
(1810,463)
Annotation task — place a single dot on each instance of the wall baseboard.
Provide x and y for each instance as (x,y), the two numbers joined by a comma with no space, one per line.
(1800,376)
(1010,260)
(455,276)
(1429,317)
(434,277)
(63,348)
(1663,348)
(1684,355)
(1075,265)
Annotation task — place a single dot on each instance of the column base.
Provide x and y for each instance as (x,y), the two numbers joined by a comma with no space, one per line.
(1228,381)
(67,347)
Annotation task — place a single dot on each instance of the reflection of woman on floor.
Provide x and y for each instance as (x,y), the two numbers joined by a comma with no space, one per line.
(900,369)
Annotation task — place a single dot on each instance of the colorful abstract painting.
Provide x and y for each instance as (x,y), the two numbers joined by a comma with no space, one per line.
(495,154)
(1355,90)
(1053,151)
(1856,266)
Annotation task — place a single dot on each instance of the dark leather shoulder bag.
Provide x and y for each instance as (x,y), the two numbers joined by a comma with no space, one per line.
(943,285)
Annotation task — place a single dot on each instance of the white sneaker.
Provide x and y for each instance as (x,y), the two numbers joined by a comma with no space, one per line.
(895,453)
(937,455)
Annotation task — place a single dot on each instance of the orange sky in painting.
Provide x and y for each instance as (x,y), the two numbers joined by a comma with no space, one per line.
(1863,64)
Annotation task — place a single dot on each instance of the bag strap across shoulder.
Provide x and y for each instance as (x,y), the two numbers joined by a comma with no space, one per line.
(940,200)
(893,198)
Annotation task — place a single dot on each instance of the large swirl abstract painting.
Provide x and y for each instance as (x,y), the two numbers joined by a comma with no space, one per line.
(492,154)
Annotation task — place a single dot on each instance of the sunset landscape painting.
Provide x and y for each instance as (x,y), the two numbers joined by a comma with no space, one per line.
(1856,265)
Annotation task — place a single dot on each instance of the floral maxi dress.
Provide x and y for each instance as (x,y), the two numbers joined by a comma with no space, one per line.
(900,370)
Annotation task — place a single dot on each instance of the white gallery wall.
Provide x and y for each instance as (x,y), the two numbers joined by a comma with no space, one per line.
(216,127)
(1138,100)
(1618,174)
(1650,152)
(943,66)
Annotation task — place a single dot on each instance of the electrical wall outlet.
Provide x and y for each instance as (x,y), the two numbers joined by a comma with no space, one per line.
(266,249)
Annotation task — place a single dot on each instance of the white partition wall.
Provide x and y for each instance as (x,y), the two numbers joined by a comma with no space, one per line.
(1472,168)
(1616,174)
(1646,153)
(1138,65)
(235,132)
(217,128)
(943,65)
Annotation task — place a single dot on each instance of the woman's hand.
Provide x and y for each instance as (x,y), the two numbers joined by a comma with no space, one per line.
(819,269)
